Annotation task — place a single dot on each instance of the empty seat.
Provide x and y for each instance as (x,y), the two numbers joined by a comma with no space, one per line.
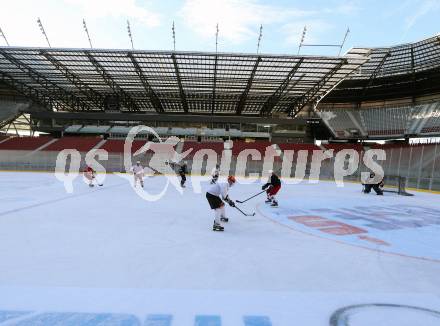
(24,143)
(82,144)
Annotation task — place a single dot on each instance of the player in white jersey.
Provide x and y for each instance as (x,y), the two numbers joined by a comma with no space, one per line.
(215,195)
(138,173)
(215,173)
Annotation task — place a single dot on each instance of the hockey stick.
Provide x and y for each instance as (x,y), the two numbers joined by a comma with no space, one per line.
(243,201)
(245,214)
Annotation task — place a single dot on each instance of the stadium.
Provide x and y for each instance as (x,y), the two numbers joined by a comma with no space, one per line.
(84,244)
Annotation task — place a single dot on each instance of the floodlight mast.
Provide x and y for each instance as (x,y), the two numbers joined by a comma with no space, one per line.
(340,46)
(174,37)
(40,25)
(259,38)
(130,35)
(87,33)
(343,41)
(2,34)
(302,38)
(216,39)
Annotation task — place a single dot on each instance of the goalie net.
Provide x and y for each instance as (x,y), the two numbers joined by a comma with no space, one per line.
(395,184)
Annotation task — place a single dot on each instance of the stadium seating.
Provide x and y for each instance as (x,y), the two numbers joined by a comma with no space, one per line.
(117,145)
(432,124)
(384,121)
(195,146)
(260,146)
(82,144)
(24,143)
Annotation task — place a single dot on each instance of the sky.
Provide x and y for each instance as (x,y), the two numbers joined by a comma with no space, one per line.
(371,22)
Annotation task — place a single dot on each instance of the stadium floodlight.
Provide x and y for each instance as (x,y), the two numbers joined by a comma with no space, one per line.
(40,24)
(259,38)
(343,41)
(340,46)
(302,38)
(4,36)
(129,34)
(174,37)
(216,38)
(87,33)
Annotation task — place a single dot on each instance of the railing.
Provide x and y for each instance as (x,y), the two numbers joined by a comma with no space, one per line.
(420,164)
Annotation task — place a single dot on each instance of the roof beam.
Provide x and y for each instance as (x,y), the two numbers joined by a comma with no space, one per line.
(179,82)
(83,88)
(27,91)
(126,99)
(154,99)
(214,88)
(61,95)
(121,116)
(374,74)
(295,107)
(242,101)
(268,106)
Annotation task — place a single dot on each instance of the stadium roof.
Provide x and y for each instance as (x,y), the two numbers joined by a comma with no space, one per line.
(95,80)
(400,59)
(407,70)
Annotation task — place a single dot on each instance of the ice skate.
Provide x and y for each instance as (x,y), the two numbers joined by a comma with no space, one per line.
(217,227)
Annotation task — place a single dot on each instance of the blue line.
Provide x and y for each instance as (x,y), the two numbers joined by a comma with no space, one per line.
(158,320)
(257,321)
(80,319)
(208,321)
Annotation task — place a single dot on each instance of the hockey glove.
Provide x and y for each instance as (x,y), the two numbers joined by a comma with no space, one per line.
(265,186)
(229,201)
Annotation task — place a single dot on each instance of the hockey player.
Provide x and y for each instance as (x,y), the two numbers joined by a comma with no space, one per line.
(215,173)
(377,187)
(89,174)
(138,173)
(216,195)
(272,187)
(183,170)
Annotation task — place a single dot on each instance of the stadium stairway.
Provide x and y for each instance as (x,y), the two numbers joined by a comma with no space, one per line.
(24,143)
(43,146)
(101,143)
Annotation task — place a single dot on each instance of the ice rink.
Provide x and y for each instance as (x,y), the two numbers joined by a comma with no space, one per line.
(104,256)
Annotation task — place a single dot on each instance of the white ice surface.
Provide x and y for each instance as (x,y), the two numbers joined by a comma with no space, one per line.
(107,250)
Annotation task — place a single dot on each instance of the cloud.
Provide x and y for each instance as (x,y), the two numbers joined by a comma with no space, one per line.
(238,19)
(117,8)
(62,20)
(424,7)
